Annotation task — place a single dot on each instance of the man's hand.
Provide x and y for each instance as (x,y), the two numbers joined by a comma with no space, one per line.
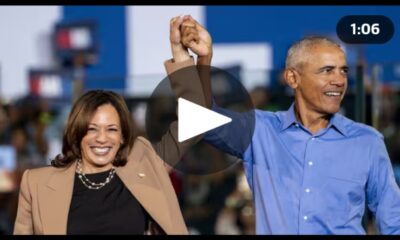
(198,40)
(195,37)
(179,52)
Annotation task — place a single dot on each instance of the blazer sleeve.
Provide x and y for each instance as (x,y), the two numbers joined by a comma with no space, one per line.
(186,84)
(23,222)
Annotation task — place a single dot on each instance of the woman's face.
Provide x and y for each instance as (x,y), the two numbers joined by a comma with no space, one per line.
(102,141)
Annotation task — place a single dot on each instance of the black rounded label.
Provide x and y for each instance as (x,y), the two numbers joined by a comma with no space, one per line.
(359,29)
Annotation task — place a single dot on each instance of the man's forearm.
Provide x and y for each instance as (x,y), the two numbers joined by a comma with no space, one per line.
(204,69)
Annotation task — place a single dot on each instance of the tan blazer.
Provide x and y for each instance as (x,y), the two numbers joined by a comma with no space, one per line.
(45,193)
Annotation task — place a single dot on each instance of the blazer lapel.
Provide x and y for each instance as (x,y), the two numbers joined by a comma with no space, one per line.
(55,199)
(142,182)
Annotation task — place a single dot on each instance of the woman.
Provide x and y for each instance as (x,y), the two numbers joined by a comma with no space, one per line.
(106,181)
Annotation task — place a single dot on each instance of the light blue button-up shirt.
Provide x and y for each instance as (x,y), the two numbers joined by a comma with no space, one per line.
(306,183)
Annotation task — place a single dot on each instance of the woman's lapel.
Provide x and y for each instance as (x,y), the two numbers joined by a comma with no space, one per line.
(140,177)
(55,199)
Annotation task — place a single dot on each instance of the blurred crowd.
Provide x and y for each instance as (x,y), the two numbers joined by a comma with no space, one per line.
(216,201)
(389,125)
(25,131)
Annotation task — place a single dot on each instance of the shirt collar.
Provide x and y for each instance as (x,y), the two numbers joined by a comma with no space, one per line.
(337,121)
(288,118)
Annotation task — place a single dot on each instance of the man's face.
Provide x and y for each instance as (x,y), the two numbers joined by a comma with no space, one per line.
(322,80)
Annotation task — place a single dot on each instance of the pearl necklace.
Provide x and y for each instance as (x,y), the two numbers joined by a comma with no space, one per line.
(92,185)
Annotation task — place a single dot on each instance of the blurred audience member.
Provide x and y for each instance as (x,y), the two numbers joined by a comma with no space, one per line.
(237,216)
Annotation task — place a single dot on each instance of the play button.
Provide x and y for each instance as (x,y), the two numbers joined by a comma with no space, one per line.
(194,119)
(235,115)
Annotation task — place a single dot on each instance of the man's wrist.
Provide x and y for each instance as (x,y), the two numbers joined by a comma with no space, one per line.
(204,60)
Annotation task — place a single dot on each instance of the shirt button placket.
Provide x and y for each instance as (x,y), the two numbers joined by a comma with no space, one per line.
(307,182)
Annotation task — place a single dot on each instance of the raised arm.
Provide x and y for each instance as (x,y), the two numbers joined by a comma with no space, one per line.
(186,84)
(233,137)
(202,47)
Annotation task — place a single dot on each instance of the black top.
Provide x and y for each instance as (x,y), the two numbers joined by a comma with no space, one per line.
(108,210)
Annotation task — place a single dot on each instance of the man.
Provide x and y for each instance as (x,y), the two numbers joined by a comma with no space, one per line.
(311,170)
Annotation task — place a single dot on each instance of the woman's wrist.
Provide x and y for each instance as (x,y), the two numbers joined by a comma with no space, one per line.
(179,53)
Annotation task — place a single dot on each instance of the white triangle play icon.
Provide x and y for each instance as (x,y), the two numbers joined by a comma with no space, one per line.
(194,119)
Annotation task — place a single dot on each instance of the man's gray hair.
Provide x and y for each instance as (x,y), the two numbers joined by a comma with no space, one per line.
(297,51)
